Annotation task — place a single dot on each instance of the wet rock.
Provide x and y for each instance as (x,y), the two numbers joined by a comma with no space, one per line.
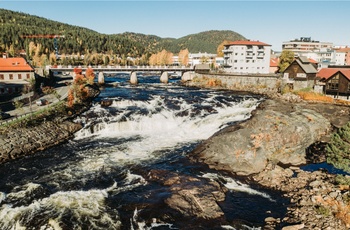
(276,133)
(190,196)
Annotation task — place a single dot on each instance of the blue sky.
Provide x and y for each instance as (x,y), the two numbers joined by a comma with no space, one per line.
(272,22)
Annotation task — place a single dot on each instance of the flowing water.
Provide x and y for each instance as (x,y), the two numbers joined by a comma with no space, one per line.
(98,180)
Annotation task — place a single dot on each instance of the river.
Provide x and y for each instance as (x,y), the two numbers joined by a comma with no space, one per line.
(98,180)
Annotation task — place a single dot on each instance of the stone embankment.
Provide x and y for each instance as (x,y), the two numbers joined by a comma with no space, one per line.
(16,143)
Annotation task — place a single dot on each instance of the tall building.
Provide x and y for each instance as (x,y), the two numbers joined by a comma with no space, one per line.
(247,57)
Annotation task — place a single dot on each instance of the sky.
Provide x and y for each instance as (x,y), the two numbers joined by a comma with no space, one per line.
(271,22)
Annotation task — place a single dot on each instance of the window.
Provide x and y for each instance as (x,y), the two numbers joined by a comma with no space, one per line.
(2,77)
(19,76)
(28,75)
(11,76)
(236,54)
(235,61)
(333,83)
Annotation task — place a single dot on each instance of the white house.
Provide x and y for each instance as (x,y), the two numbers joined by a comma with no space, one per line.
(247,57)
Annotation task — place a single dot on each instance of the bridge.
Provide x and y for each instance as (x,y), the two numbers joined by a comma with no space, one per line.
(133,70)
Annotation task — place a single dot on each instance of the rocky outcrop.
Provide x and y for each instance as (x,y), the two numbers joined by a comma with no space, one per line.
(278,132)
(192,197)
(316,202)
(16,143)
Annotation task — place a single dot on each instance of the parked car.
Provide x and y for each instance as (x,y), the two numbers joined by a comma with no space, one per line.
(4,116)
(41,102)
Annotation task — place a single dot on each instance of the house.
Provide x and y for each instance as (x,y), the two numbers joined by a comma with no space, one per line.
(14,74)
(301,73)
(247,57)
(274,65)
(336,81)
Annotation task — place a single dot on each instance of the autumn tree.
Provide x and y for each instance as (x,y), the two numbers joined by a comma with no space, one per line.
(221,48)
(183,57)
(79,92)
(286,58)
(161,58)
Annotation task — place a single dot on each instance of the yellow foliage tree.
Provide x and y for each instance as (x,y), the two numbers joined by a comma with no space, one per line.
(221,48)
(161,58)
(183,57)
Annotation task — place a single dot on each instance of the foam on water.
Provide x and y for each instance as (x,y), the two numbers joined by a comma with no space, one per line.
(234,185)
(84,207)
(160,129)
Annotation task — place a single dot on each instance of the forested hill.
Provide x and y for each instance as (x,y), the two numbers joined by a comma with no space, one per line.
(83,40)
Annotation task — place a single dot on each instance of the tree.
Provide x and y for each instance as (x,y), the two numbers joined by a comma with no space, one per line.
(183,57)
(221,48)
(286,58)
(338,149)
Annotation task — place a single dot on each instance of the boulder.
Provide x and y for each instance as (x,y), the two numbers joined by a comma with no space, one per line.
(278,133)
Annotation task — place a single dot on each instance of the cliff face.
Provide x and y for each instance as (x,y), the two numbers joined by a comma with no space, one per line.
(278,132)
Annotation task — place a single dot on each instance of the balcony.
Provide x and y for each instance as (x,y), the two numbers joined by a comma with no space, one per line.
(227,51)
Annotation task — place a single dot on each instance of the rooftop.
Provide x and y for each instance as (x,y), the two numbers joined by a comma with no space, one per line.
(247,42)
(14,64)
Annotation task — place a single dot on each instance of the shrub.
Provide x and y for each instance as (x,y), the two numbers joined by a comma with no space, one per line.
(338,149)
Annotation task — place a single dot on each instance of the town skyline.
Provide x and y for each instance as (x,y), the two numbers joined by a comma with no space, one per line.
(272,22)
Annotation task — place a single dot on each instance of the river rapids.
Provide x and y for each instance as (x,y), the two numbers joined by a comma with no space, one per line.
(98,180)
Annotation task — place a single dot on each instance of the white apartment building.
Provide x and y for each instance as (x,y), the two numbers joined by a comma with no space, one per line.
(305,45)
(201,58)
(247,57)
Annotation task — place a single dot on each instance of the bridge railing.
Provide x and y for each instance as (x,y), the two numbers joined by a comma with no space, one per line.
(53,68)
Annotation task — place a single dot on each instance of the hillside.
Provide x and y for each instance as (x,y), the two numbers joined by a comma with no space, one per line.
(79,40)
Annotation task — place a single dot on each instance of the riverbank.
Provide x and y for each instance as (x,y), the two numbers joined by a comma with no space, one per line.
(41,131)
(270,147)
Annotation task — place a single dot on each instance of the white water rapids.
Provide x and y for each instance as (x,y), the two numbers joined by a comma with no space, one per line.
(129,132)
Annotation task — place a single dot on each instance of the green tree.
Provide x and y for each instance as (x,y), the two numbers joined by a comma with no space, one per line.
(338,149)
(286,58)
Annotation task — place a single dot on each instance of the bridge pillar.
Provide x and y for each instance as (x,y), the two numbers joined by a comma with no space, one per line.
(133,78)
(186,76)
(164,78)
(101,78)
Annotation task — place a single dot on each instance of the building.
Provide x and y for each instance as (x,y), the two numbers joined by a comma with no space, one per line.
(336,81)
(14,74)
(274,65)
(201,58)
(301,73)
(346,53)
(248,57)
(323,52)
(305,45)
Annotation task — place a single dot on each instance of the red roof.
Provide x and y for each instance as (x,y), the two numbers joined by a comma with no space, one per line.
(247,42)
(14,64)
(274,62)
(326,73)
(313,61)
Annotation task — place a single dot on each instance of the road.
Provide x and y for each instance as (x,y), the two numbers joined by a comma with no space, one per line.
(62,89)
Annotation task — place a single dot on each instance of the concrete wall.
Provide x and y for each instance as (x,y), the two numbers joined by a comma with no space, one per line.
(234,81)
